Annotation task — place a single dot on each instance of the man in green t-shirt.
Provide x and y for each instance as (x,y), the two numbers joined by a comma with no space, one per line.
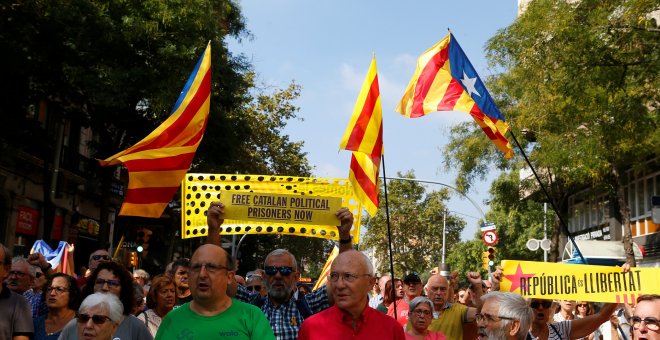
(212,314)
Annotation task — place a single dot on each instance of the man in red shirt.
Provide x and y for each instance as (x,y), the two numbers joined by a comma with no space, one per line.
(350,280)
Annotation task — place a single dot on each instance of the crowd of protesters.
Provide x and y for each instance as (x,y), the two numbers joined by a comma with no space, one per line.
(203,298)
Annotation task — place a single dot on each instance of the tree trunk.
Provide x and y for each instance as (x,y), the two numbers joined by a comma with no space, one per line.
(624,211)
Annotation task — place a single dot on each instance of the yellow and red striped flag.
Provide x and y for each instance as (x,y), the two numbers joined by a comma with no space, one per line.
(157,164)
(445,80)
(364,136)
(323,277)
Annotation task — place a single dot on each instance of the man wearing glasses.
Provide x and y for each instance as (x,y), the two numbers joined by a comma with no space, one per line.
(212,314)
(95,258)
(645,318)
(350,280)
(504,316)
(284,308)
(15,312)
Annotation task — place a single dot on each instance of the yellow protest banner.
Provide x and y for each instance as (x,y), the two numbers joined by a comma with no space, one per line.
(277,208)
(559,281)
(199,190)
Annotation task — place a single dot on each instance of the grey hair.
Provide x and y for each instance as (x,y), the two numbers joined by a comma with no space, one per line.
(512,306)
(141,273)
(31,269)
(280,252)
(418,301)
(110,302)
(256,279)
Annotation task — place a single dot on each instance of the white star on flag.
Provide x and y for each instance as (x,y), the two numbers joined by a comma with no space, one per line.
(469,84)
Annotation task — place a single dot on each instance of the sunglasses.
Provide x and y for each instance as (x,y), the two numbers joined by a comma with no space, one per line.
(111,283)
(284,270)
(582,305)
(546,304)
(100,257)
(254,288)
(97,319)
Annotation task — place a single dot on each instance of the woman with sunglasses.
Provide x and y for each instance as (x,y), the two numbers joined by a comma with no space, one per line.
(544,329)
(160,301)
(114,278)
(420,316)
(62,298)
(582,310)
(98,317)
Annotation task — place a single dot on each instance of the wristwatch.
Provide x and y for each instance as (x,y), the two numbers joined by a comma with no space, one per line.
(346,241)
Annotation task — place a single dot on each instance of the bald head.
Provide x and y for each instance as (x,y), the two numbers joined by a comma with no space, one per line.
(437,289)
(351,280)
(357,258)
(213,250)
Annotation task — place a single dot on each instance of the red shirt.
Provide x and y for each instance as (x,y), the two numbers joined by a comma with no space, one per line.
(402,309)
(333,324)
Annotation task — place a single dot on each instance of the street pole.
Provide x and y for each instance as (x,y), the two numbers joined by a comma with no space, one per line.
(545,230)
(444,232)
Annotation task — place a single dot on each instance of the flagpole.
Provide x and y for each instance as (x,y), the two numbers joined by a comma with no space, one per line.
(552,203)
(389,233)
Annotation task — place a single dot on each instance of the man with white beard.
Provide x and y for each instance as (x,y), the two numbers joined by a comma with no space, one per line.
(504,316)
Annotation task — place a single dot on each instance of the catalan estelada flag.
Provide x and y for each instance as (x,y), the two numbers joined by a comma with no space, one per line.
(157,164)
(323,277)
(364,136)
(445,80)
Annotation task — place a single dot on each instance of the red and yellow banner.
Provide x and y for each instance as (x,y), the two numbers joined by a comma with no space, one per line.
(559,281)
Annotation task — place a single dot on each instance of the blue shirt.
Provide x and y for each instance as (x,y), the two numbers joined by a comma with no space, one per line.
(285,319)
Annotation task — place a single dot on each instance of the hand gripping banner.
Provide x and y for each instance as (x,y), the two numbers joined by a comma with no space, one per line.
(293,204)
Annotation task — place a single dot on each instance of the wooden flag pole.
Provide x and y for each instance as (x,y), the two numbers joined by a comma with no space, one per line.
(389,233)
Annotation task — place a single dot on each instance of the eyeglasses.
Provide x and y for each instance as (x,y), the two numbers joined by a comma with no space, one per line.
(347,277)
(284,270)
(491,318)
(545,303)
(421,312)
(211,268)
(651,323)
(254,288)
(97,319)
(101,257)
(58,290)
(17,273)
(111,283)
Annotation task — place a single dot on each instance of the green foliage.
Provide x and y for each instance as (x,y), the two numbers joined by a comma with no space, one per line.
(582,79)
(416,223)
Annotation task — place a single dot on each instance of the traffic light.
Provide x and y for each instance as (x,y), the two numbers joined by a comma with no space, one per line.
(491,256)
(484,260)
(132,259)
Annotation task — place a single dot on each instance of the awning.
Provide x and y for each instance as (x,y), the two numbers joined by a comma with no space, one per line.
(598,252)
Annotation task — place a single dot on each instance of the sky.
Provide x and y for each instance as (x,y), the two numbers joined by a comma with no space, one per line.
(326,47)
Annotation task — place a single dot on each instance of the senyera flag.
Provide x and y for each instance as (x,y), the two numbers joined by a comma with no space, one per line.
(364,136)
(445,80)
(157,164)
(323,277)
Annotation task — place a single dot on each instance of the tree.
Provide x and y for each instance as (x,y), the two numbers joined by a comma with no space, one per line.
(416,223)
(517,221)
(118,67)
(581,78)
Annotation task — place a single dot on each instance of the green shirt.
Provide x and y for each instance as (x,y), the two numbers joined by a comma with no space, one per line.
(239,321)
